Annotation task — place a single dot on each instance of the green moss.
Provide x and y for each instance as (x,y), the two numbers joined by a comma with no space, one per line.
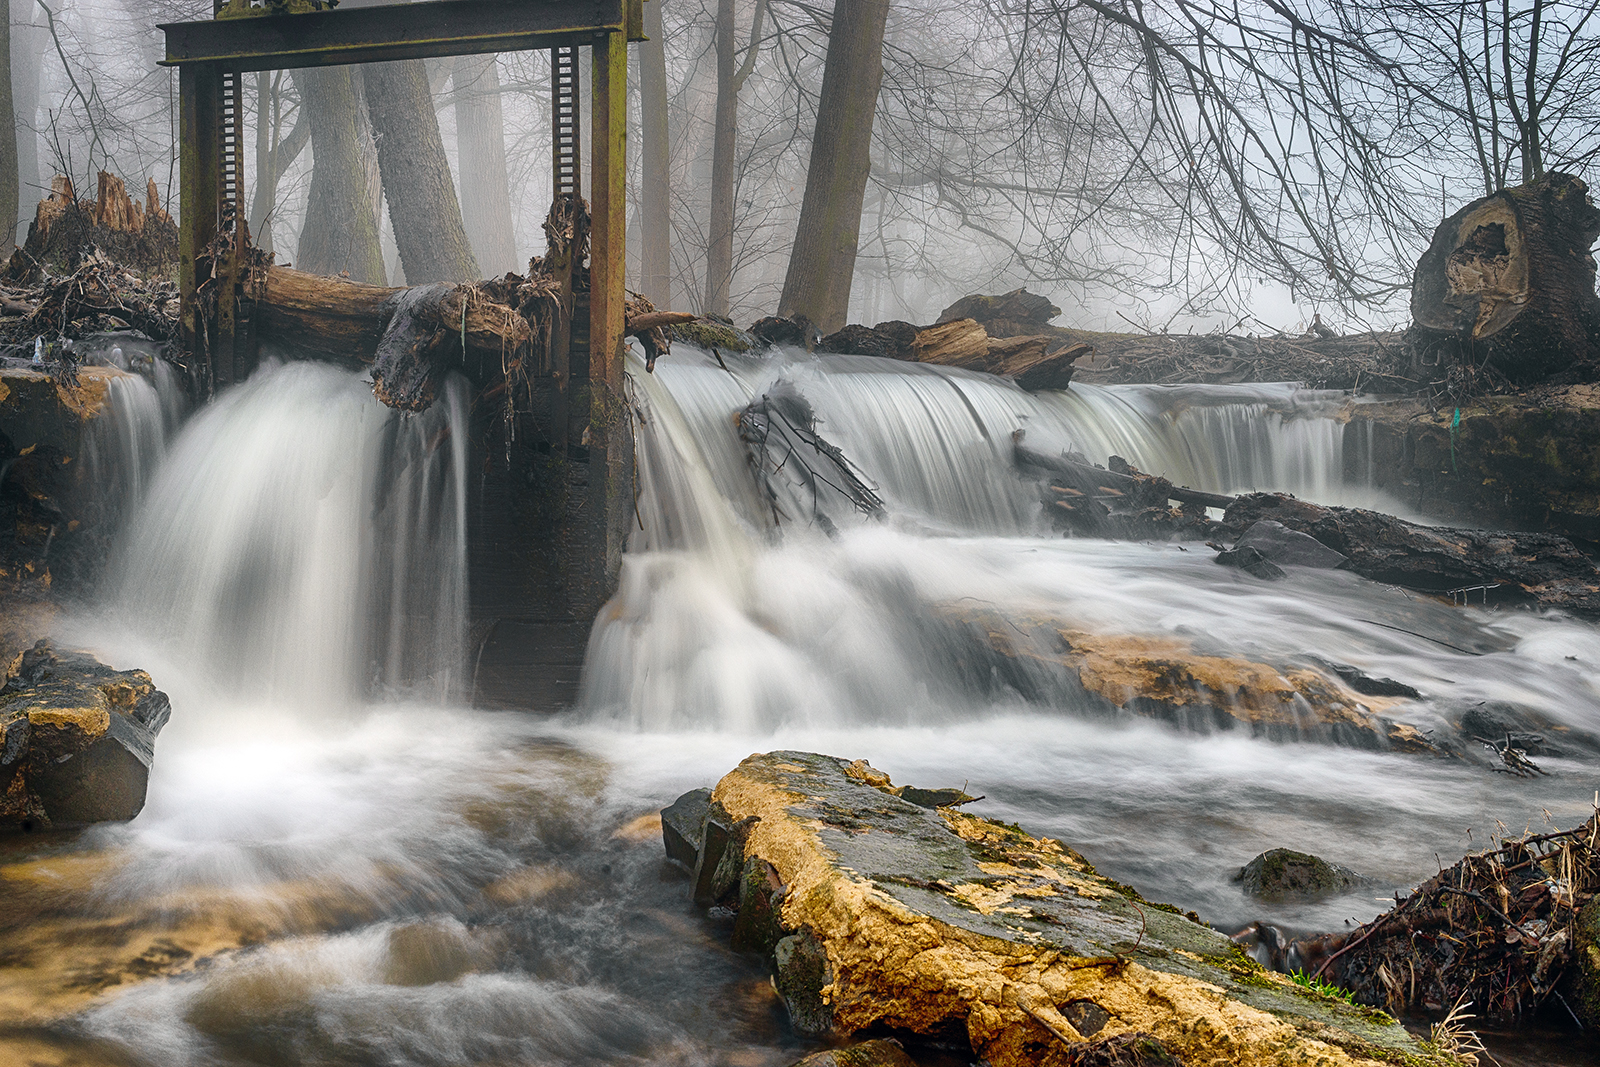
(709,335)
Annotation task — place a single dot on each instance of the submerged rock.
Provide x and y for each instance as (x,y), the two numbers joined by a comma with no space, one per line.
(1169,679)
(919,918)
(1283,874)
(1290,548)
(881,1052)
(76,740)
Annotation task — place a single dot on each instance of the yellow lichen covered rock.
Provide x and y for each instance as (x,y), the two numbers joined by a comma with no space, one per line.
(1167,678)
(913,918)
(76,740)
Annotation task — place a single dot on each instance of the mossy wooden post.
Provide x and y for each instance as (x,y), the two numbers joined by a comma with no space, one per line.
(199,140)
(611,452)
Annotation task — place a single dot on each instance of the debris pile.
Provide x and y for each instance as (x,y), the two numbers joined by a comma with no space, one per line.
(1508,931)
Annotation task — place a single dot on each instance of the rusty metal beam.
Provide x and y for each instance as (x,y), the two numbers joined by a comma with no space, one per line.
(379,34)
(199,177)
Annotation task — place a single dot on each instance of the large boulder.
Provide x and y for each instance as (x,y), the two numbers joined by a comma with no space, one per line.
(918,919)
(76,740)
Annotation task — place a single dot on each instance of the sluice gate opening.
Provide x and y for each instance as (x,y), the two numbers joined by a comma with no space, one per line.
(551,496)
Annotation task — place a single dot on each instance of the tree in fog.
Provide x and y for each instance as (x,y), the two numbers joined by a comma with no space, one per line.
(732,73)
(822,265)
(481,152)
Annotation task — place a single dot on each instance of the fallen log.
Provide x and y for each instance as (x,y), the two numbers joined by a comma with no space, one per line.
(1089,479)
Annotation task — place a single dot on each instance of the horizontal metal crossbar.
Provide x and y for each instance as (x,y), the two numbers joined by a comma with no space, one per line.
(379,34)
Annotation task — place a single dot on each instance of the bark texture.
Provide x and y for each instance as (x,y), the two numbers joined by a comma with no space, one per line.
(485,187)
(1509,281)
(340,233)
(655,208)
(823,262)
(719,249)
(416,175)
(9,192)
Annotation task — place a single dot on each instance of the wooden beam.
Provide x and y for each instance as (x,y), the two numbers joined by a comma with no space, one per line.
(199,98)
(378,34)
(608,210)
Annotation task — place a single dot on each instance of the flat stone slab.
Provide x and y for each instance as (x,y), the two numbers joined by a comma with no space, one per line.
(929,916)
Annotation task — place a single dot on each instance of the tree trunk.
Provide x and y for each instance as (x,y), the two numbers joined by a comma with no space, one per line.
(281,150)
(1509,282)
(26,49)
(655,209)
(416,175)
(485,187)
(719,250)
(339,233)
(9,205)
(823,262)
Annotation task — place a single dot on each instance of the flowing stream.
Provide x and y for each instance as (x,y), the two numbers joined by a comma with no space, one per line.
(338,865)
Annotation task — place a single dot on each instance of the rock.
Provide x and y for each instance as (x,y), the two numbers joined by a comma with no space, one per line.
(1251,561)
(1496,566)
(50,541)
(683,824)
(1166,678)
(1364,683)
(1498,722)
(922,918)
(1283,874)
(801,975)
(881,1052)
(715,833)
(797,331)
(1124,1050)
(1289,548)
(759,925)
(76,740)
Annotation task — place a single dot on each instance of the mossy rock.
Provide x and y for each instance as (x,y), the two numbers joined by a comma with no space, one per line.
(1284,874)
(709,334)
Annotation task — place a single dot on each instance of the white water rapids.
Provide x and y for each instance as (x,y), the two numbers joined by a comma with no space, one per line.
(432,885)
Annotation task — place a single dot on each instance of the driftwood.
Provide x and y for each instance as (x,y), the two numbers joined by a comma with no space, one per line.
(800,473)
(1086,478)
(1036,361)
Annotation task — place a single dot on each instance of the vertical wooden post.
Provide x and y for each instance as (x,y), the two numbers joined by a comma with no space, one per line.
(608,209)
(610,417)
(199,144)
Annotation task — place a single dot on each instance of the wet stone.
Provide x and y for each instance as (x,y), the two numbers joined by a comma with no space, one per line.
(882,1052)
(1250,560)
(76,740)
(683,824)
(802,972)
(1283,874)
(1290,548)
(1086,1017)
(759,926)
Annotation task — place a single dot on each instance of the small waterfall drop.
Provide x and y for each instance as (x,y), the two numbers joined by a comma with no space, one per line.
(302,543)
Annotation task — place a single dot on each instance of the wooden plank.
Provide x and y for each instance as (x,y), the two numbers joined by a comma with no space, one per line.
(199,177)
(379,34)
(609,121)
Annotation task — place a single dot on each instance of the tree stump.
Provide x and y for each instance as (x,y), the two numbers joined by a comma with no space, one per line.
(1509,282)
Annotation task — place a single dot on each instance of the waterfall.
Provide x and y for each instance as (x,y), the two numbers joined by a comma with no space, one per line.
(300,542)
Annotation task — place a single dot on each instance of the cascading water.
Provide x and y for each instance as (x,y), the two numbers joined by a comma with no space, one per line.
(303,543)
(403,883)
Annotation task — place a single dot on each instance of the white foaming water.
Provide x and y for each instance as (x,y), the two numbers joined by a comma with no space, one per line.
(440,886)
(303,543)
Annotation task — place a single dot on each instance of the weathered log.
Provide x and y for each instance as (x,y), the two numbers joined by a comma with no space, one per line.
(1090,480)
(650,320)
(345,321)
(65,230)
(1508,281)
(958,343)
(1017,306)
(1035,363)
